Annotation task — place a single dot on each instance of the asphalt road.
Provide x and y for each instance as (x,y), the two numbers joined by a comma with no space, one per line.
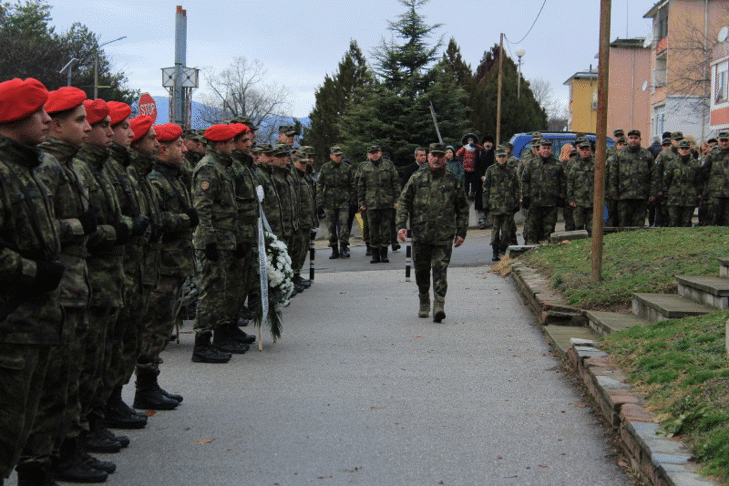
(360,391)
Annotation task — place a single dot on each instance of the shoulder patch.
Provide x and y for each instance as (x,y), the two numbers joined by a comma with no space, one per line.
(205,185)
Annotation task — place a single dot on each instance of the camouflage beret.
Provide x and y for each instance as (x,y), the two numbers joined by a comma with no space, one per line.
(546,142)
(619,133)
(437,148)
(500,152)
(281,150)
(634,132)
(536,137)
(266,148)
(622,140)
(723,136)
(584,143)
(508,145)
(336,151)
(307,150)
(373,149)
(676,135)
(665,141)
(684,144)
(256,149)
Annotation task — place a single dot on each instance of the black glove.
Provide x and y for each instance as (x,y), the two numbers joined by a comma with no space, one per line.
(140,224)
(47,276)
(122,233)
(194,218)
(525,201)
(156,233)
(240,251)
(211,252)
(516,209)
(88,222)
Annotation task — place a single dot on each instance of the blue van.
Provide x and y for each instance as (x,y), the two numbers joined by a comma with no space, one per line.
(522,142)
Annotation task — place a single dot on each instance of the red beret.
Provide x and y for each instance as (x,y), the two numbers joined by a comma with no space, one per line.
(219,133)
(118,111)
(62,99)
(169,132)
(239,128)
(96,110)
(19,99)
(140,126)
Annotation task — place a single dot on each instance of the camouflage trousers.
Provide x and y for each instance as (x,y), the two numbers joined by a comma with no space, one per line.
(632,212)
(583,218)
(59,404)
(302,241)
(380,224)
(502,227)
(337,225)
(680,216)
(365,228)
(540,223)
(22,373)
(159,321)
(720,211)
(132,316)
(214,280)
(662,217)
(569,218)
(238,288)
(613,216)
(101,323)
(435,258)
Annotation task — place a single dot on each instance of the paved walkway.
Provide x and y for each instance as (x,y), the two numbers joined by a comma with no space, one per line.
(360,391)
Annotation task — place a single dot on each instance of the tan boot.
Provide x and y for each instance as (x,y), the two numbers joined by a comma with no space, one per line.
(424,305)
(438,312)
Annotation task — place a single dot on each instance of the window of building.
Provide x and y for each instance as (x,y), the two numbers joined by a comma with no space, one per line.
(661,25)
(721,93)
(659,114)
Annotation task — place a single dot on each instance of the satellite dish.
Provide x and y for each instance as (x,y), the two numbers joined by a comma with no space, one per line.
(723,33)
(645,85)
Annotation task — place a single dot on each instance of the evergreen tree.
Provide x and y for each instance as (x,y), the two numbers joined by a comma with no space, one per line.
(333,100)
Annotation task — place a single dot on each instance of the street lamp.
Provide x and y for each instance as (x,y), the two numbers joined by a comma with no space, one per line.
(519,53)
(68,69)
(96,65)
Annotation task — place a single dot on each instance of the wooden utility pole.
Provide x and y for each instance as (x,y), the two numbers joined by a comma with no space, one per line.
(601,141)
(498,96)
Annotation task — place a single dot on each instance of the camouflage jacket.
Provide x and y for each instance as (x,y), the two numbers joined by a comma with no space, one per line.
(682,181)
(290,204)
(271,201)
(246,184)
(174,198)
(661,163)
(141,165)
(213,193)
(191,161)
(378,186)
(715,172)
(543,181)
(632,175)
(436,204)
(104,260)
(581,182)
(70,194)
(304,187)
(501,190)
(336,186)
(27,234)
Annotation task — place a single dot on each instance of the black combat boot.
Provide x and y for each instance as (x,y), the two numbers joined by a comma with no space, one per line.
(119,415)
(149,395)
(204,352)
(335,252)
(33,475)
(369,250)
(241,336)
(73,464)
(383,255)
(174,396)
(375,255)
(96,440)
(223,341)
(344,251)
(496,255)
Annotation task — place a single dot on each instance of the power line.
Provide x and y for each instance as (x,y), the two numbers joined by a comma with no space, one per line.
(530,28)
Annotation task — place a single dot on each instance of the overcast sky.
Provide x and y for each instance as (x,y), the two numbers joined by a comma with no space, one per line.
(299,41)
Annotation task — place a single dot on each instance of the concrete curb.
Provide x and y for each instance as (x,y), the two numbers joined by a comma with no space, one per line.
(654,457)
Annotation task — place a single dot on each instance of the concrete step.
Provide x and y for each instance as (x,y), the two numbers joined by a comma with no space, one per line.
(560,335)
(724,267)
(560,236)
(658,307)
(605,323)
(711,291)
(515,250)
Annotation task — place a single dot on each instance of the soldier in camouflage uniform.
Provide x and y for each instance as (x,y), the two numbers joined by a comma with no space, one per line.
(631,180)
(435,202)
(378,188)
(581,186)
(716,176)
(283,183)
(246,182)
(105,265)
(682,184)
(60,407)
(336,188)
(523,163)
(363,216)
(195,145)
(612,204)
(661,217)
(118,414)
(214,241)
(543,193)
(501,200)
(271,201)
(308,220)
(31,320)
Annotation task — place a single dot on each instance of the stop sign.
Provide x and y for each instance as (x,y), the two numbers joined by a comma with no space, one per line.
(147,106)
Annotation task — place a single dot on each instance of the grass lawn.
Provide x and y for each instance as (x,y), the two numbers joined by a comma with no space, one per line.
(681,366)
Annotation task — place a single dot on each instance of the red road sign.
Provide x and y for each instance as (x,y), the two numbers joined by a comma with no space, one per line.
(147,106)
